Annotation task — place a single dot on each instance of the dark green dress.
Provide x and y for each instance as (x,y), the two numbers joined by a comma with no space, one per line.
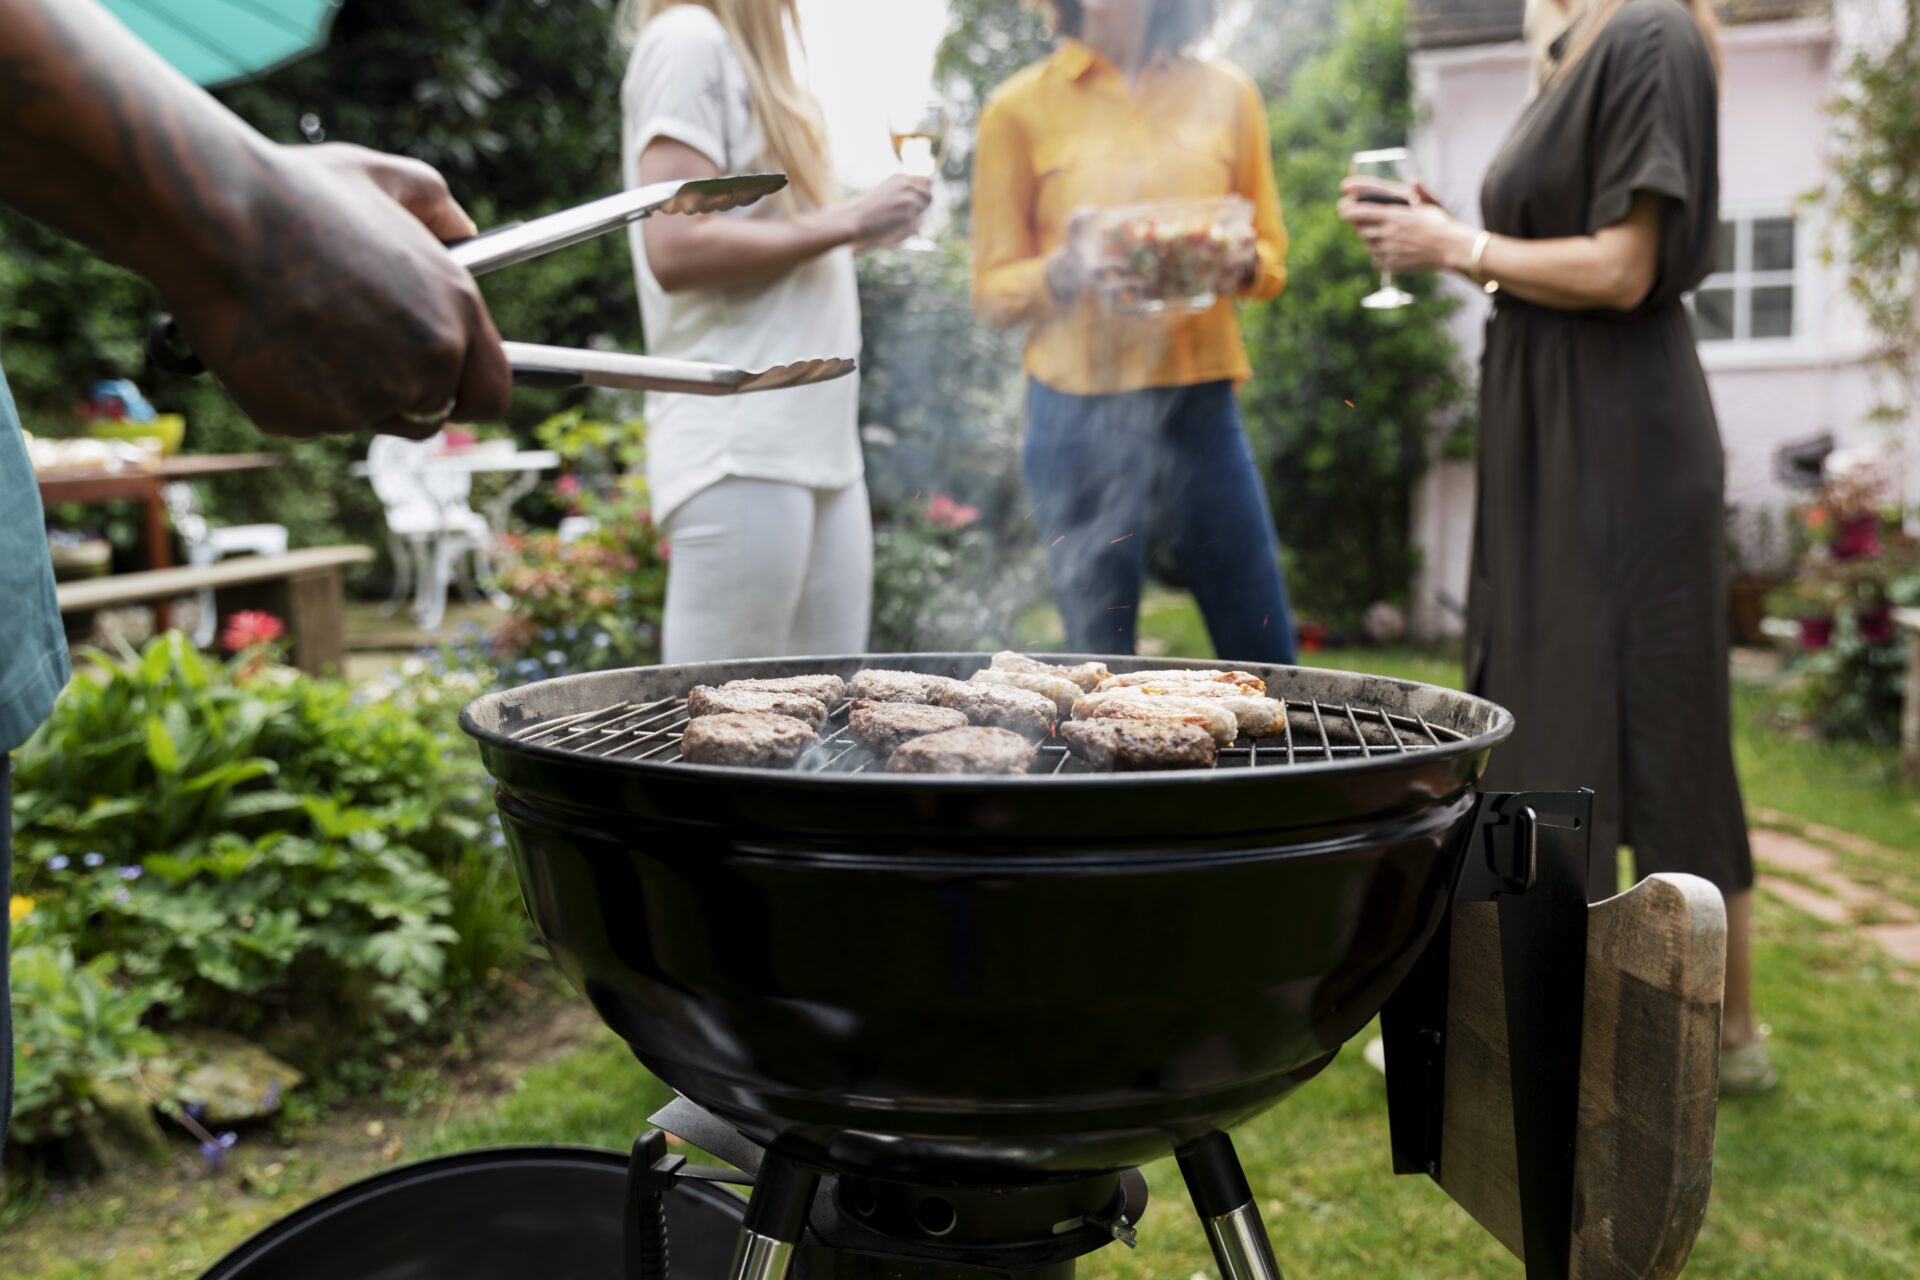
(1597,611)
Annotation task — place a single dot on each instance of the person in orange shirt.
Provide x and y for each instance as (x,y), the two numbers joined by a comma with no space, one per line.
(1133,422)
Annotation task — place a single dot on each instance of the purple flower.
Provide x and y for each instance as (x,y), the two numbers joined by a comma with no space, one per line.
(59,862)
(195,1110)
(131,873)
(94,859)
(214,1151)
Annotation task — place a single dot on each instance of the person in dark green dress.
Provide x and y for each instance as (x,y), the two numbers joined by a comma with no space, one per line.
(1597,609)
(311,280)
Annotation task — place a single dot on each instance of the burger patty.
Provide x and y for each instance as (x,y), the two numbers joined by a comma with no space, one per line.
(1126,745)
(972,749)
(757,739)
(882,726)
(880,685)
(1000,706)
(831,690)
(705,701)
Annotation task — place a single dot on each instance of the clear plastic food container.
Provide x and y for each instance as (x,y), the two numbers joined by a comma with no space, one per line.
(1180,251)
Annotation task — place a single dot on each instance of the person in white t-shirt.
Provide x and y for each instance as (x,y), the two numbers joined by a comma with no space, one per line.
(761,497)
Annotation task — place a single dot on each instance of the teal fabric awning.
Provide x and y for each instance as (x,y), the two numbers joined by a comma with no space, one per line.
(214,42)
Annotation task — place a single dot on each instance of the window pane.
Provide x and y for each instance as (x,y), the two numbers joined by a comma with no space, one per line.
(1713,315)
(1773,311)
(1772,244)
(1724,243)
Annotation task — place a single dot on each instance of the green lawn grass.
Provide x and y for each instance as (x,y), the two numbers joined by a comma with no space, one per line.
(1820,1181)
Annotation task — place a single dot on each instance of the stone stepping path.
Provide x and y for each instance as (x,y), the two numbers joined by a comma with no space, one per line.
(1807,875)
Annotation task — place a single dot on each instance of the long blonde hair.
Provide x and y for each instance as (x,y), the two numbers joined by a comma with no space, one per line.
(1587,19)
(789,116)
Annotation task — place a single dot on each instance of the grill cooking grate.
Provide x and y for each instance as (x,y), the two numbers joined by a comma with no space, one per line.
(649,732)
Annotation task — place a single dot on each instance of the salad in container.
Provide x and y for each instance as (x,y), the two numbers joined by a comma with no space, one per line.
(1180,252)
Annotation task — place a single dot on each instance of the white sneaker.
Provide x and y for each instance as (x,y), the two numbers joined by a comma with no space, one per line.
(1747,1069)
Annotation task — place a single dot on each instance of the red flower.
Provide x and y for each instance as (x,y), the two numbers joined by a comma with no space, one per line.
(249,629)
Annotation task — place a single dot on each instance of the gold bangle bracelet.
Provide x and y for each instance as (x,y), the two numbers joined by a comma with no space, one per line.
(1480,243)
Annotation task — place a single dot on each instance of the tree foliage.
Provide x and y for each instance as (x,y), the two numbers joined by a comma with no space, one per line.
(516,102)
(1874,196)
(1346,403)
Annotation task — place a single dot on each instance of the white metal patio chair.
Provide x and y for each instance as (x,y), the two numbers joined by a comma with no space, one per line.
(209,544)
(436,537)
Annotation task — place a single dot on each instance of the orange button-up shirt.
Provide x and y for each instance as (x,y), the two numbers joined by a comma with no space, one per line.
(1069,132)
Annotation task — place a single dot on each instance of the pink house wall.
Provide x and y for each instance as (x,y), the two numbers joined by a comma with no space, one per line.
(1774,130)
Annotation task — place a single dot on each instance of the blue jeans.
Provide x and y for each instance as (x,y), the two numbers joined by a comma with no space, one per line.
(1113,475)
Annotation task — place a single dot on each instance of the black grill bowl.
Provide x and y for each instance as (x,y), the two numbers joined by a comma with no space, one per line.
(989,981)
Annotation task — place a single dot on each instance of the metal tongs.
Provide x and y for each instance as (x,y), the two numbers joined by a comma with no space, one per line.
(535,365)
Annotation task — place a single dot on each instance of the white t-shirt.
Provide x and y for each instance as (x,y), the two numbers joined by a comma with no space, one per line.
(685,82)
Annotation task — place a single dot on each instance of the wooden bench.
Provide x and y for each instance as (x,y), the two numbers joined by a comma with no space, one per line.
(301,588)
(1908,620)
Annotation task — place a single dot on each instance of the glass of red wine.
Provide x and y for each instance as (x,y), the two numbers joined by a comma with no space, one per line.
(1390,164)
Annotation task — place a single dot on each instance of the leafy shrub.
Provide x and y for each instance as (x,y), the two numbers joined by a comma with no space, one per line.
(245,848)
(73,1027)
(943,580)
(585,605)
(595,602)
(1346,404)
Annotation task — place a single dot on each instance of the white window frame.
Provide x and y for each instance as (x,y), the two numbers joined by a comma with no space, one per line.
(1748,352)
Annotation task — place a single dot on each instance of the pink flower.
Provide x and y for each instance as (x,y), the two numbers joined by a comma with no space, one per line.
(249,629)
(948,514)
(567,486)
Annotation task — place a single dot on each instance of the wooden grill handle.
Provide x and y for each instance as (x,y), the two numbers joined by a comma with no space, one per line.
(1649,1078)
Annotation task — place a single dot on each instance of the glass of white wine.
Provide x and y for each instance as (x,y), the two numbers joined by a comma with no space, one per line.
(1390,164)
(919,135)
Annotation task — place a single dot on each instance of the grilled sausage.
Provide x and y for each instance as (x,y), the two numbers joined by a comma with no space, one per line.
(1064,692)
(1210,714)
(1259,717)
(1247,681)
(1087,675)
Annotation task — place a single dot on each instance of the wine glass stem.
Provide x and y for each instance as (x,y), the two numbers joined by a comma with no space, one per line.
(1386,282)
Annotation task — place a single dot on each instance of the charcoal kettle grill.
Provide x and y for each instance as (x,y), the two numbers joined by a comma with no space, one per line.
(935,1024)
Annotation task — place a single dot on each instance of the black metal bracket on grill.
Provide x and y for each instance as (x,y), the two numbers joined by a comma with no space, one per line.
(1529,854)
(834,1227)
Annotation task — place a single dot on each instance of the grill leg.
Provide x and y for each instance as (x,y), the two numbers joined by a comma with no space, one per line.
(1224,1201)
(776,1217)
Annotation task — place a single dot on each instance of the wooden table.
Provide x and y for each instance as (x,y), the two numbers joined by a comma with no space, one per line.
(148,487)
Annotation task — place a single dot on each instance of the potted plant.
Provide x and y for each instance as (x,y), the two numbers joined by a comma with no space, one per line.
(1809,600)
(1855,499)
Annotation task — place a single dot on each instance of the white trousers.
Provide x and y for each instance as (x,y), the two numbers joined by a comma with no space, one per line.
(761,569)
